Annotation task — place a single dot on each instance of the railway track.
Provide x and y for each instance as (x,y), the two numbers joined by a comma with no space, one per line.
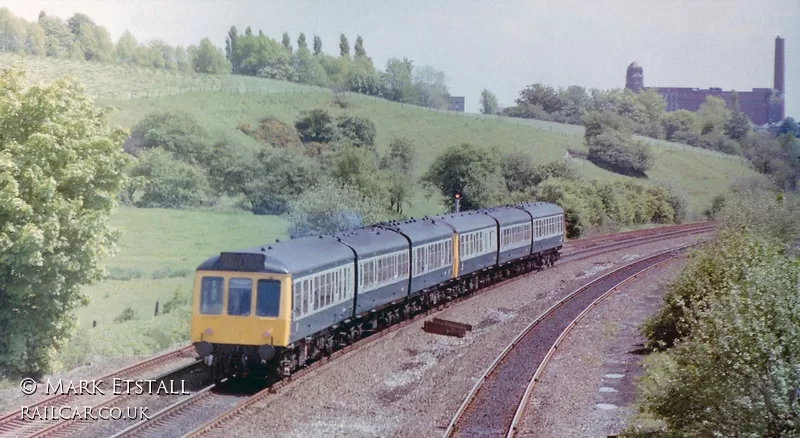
(495,405)
(181,417)
(237,411)
(13,425)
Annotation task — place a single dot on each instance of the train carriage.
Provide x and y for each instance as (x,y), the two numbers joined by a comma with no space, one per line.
(382,266)
(548,225)
(514,232)
(433,251)
(477,240)
(251,303)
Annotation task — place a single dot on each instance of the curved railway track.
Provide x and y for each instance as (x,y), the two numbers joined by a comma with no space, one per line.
(13,425)
(180,417)
(634,238)
(496,403)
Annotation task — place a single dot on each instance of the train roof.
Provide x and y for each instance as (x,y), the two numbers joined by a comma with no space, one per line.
(466,221)
(368,242)
(540,209)
(507,215)
(420,231)
(297,257)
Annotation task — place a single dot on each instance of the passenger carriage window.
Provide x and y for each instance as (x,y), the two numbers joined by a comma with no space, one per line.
(268,298)
(211,296)
(297,297)
(240,294)
(315,292)
(306,290)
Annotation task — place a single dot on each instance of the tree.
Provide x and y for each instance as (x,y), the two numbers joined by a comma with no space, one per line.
(287,42)
(472,171)
(60,171)
(431,87)
(358,131)
(789,125)
(362,77)
(178,133)
(615,152)
(209,59)
(398,84)
(317,45)
(58,38)
(538,94)
(344,46)
(35,40)
(277,176)
(519,171)
(301,41)
(329,208)
(169,183)
(357,168)
(12,32)
(309,70)
(678,121)
(653,103)
(182,62)
(231,52)
(737,126)
(127,50)
(489,103)
(399,163)
(598,122)
(316,125)
(712,115)
(359,47)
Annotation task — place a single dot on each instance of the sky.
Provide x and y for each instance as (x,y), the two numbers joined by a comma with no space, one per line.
(500,45)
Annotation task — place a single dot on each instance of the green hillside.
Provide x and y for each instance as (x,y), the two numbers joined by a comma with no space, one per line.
(159,248)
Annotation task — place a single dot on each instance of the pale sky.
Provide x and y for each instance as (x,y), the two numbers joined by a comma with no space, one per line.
(501,45)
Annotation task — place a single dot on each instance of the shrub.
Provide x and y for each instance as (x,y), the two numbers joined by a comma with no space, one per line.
(359,131)
(176,132)
(472,171)
(316,125)
(612,151)
(596,123)
(126,315)
(170,272)
(177,301)
(718,142)
(170,183)
(329,208)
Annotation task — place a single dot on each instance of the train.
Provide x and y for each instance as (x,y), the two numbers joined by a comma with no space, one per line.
(270,310)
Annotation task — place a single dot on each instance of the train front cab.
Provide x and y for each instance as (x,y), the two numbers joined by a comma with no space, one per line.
(243,317)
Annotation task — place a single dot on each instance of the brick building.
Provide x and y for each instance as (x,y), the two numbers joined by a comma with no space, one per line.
(761,105)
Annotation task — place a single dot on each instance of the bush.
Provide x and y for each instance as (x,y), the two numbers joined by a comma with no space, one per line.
(685,137)
(316,125)
(170,272)
(736,309)
(277,176)
(359,131)
(126,315)
(177,301)
(718,142)
(612,151)
(329,208)
(596,123)
(176,132)
(170,183)
(472,171)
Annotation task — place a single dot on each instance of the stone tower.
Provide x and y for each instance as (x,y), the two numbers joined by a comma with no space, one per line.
(778,83)
(634,80)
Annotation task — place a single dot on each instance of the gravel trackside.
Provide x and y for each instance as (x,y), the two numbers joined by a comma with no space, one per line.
(410,383)
(587,388)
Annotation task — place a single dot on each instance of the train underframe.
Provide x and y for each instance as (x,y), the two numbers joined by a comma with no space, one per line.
(248,361)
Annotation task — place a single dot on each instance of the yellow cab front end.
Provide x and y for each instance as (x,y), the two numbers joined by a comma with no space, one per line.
(240,320)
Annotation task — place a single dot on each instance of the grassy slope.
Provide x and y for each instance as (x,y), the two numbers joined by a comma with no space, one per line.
(178,240)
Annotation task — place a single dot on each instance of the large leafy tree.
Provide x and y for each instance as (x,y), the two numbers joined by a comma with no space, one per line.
(60,171)
(489,103)
(472,171)
(398,165)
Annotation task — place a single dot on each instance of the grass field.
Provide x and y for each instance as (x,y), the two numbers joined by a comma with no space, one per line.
(161,247)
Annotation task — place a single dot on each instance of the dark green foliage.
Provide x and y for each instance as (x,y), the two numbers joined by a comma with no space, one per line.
(789,126)
(489,104)
(206,58)
(126,315)
(357,168)
(681,121)
(317,45)
(170,272)
(316,125)
(359,131)
(717,204)
(737,126)
(287,42)
(344,46)
(470,170)
(177,301)
(519,171)
(176,132)
(170,183)
(614,152)
(359,47)
(123,274)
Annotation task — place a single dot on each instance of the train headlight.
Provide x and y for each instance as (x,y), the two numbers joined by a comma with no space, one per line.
(267,333)
(209,331)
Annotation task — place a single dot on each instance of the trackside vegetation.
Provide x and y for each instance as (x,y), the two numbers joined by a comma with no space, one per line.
(726,341)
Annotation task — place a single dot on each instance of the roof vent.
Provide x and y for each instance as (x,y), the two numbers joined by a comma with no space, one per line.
(262,249)
(277,240)
(269,247)
(320,236)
